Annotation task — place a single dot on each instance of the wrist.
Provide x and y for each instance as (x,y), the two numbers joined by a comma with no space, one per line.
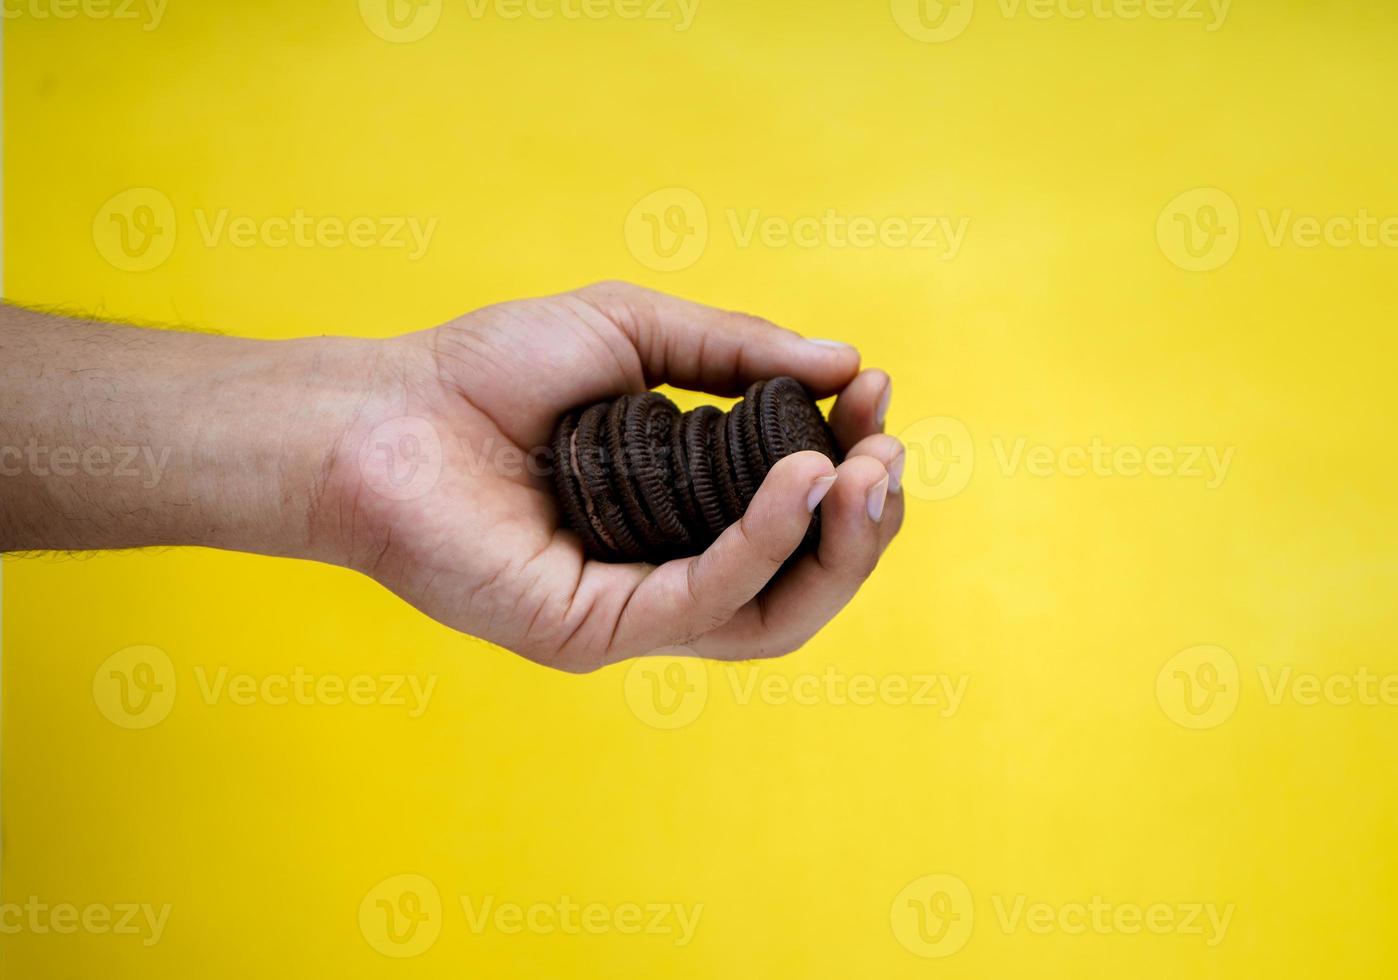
(262,444)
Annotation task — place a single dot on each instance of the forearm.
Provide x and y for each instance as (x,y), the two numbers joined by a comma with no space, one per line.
(118,437)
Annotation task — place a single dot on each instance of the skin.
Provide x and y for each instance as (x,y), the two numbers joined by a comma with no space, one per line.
(405,460)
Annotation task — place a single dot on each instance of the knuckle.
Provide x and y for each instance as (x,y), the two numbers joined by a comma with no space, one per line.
(769,553)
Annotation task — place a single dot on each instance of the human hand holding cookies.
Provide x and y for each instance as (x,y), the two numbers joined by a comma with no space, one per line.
(485,551)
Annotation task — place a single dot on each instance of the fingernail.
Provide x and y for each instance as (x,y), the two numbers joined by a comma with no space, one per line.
(836,344)
(884,401)
(895,473)
(876,498)
(818,491)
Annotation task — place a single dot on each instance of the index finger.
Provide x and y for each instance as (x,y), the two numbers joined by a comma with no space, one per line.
(693,346)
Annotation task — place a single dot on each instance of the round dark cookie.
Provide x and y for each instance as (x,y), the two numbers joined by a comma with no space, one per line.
(623,453)
(649,424)
(569,490)
(724,480)
(593,467)
(699,453)
(736,435)
(752,438)
(683,480)
(789,421)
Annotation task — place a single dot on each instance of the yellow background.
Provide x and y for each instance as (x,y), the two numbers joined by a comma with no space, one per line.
(1062,776)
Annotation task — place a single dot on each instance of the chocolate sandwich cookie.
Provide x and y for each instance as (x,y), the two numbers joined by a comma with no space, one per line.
(724,480)
(568,486)
(625,451)
(603,511)
(649,423)
(752,439)
(683,482)
(638,481)
(789,421)
(736,435)
(699,451)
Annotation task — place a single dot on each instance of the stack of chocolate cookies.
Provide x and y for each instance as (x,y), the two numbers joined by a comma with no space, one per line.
(640,481)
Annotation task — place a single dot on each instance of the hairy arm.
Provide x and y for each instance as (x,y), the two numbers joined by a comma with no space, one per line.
(117,437)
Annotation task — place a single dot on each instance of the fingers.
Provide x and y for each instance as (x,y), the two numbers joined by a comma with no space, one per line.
(894,456)
(694,346)
(688,598)
(858,518)
(861,408)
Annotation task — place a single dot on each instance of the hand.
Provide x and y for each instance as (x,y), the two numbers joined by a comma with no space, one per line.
(480,548)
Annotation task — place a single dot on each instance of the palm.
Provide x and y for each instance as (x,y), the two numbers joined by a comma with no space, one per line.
(481,550)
